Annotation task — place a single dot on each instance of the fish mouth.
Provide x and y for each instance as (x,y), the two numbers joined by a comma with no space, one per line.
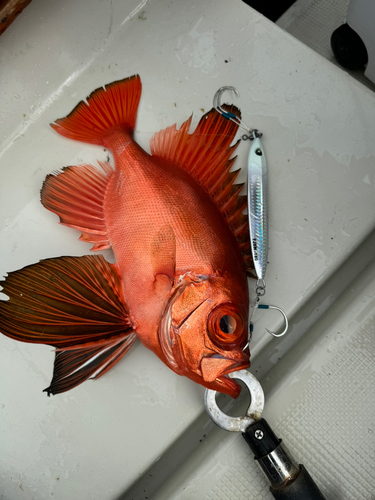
(228,385)
(215,370)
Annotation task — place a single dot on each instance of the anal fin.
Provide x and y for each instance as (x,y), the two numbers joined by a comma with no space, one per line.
(76,195)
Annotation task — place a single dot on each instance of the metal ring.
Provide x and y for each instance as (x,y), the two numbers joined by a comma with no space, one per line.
(260,291)
(253,413)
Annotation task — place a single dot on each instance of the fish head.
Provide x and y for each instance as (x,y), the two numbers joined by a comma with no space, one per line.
(204,330)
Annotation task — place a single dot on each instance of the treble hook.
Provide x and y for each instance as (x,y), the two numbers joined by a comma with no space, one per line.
(264,306)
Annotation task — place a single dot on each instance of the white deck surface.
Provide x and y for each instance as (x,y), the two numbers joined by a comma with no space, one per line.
(141,420)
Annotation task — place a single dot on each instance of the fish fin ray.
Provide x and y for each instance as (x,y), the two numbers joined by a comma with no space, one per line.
(74,366)
(206,156)
(114,104)
(76,195)
(65,301)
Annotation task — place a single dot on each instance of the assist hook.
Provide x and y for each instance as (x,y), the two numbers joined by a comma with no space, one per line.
(264,306)
(217,99)
(227,114)
(260,292)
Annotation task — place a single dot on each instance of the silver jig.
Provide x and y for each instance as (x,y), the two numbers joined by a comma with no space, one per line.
(257,204)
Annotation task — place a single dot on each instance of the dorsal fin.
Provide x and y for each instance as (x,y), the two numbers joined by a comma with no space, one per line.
(205,155)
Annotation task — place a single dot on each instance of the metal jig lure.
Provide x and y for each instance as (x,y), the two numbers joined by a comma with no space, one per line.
(257,203)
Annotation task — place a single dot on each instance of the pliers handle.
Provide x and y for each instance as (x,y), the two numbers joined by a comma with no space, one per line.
(288,481)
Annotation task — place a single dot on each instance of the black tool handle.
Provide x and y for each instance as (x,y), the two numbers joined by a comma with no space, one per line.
(288,480)
(303,487)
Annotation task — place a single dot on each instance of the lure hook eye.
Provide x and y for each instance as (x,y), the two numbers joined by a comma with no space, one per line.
(264,306)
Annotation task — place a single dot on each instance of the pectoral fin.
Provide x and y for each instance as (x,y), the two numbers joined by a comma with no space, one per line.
(75,304)
(72,367)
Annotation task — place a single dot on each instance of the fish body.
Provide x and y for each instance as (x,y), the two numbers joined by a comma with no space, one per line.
(174,221)
(156,204)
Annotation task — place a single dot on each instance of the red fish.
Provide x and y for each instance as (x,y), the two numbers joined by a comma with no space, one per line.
(174,221)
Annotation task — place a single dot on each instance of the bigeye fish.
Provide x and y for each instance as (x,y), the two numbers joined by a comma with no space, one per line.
(174,221)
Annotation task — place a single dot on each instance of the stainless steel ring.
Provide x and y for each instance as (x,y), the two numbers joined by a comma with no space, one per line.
(253,413)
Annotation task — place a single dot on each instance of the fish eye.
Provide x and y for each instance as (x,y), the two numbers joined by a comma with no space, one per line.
(225,326)
(228,324)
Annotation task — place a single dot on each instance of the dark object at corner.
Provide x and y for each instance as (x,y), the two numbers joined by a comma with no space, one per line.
(348,48)
(9,10)
(272,9)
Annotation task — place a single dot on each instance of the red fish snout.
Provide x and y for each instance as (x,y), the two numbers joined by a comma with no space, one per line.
(214,367)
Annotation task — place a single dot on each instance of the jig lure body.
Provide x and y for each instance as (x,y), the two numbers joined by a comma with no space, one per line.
(257,200)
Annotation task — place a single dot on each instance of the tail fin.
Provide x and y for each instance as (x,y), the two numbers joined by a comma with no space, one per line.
(115,104)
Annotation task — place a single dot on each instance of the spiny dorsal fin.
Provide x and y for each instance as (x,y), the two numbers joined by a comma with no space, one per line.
(205,155)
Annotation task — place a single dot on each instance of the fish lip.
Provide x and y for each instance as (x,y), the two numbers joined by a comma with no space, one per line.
(222,382)
(237,364)
(232,387)
(235,367)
